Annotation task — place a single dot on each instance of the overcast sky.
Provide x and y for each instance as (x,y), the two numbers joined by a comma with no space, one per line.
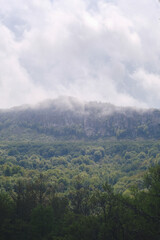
(105,50)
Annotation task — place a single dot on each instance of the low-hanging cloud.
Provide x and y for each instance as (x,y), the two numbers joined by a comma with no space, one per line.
(94,50)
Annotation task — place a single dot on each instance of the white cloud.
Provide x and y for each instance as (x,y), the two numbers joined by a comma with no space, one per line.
(150,84)
(15,84)
(85,48)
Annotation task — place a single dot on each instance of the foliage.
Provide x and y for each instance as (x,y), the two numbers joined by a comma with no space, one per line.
(82,214)
(80,190)
(121,163)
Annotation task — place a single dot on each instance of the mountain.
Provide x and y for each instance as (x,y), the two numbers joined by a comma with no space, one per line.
(69,118)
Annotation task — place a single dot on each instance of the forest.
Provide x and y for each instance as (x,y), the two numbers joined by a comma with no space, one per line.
(80,190)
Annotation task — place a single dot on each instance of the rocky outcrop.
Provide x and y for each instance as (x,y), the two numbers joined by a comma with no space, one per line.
(68,118)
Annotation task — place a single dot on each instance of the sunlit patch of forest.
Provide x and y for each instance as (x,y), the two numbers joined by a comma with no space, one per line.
(122,163)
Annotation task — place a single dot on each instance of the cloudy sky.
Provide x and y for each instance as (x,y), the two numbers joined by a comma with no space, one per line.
(105,50)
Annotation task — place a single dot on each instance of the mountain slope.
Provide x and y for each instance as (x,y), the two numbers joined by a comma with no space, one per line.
(68,118)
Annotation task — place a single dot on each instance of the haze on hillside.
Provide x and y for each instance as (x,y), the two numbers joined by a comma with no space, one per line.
(104,50)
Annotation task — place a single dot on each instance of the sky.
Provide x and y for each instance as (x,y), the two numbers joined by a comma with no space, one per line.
(95,50)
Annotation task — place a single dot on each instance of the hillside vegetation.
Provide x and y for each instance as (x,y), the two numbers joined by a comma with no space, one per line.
(79,171)
(35,209)
(122,164)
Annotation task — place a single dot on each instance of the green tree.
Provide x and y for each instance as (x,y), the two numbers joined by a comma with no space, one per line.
(42,223)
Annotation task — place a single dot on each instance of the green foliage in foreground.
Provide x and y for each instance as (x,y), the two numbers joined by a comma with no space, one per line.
(34,210)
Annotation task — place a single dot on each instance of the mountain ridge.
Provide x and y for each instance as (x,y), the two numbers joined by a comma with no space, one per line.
(69,118)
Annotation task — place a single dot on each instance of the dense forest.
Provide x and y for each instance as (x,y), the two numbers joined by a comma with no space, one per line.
(78,171)
(35,210)
(120,163)
(80,190)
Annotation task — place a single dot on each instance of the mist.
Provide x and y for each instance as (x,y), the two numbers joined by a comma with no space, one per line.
(105,51)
